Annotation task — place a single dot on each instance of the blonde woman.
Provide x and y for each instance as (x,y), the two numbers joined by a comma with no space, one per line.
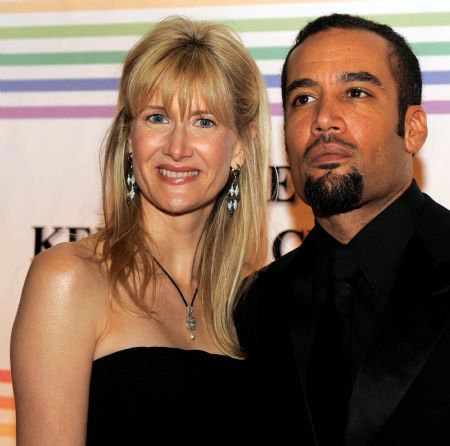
(128,332)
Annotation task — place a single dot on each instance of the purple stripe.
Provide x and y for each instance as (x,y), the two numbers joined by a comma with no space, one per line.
(82,111)
(436,107)
(431,107)
(108,111)
(276,109)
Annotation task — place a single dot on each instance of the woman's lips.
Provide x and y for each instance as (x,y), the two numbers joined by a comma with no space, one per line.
(177,175)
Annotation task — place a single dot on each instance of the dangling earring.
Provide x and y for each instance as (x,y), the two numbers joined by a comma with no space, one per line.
(233,195)
(132,187)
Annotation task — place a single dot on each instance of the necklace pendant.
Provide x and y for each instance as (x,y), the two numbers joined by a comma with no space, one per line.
(191,323)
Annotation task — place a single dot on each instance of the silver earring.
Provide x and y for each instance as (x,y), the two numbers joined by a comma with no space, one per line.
(132,187)
(234,194)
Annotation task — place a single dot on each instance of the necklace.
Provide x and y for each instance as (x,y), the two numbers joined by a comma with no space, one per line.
(191,323)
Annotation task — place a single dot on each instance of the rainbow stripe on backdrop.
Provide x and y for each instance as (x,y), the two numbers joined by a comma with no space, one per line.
(7,406)
(85,5)
(32,103)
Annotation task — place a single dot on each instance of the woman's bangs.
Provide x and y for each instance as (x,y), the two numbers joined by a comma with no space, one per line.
(141,88)
(193,81)
(198,81)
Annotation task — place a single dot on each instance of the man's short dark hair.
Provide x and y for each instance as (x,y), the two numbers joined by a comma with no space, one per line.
(403,62)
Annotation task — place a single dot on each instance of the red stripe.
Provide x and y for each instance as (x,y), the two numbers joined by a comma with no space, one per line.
(5,376)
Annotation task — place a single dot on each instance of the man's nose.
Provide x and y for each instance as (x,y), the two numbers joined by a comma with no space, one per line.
(328,117)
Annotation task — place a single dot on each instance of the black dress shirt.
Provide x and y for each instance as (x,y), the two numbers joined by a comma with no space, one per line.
(377,250)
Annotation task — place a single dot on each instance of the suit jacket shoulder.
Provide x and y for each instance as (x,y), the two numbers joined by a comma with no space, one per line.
(272,291)
(434,230)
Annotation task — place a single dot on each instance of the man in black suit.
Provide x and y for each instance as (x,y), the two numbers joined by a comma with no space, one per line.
(361,354)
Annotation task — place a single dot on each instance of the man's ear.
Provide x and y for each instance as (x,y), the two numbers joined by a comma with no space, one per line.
(416,129)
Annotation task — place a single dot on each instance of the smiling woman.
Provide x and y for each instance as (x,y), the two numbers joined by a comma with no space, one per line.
(181,163)
(140,316)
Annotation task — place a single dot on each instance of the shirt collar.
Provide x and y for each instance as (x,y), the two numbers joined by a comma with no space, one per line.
(385,238)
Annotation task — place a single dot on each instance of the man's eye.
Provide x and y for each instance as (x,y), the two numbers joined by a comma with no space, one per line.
(357,93)
(302,99)
(157,118)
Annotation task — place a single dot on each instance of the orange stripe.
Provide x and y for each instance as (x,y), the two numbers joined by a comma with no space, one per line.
(78,5)
(7,430)
(5,376)
(7,402)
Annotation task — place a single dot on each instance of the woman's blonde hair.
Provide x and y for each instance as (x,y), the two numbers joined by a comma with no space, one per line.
(182,57)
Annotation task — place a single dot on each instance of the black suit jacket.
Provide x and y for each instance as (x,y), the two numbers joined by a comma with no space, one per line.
(401,395)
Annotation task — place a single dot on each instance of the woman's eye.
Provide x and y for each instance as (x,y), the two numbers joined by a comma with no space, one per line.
(157,118)
(303,99)
(205,122)
(357,93)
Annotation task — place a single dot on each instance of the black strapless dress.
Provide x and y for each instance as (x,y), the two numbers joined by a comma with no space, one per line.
(155,395)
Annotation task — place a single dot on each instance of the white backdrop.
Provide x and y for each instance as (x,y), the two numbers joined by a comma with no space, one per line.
(58,75)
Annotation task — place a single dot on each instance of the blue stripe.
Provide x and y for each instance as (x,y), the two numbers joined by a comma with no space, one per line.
(428,77)
(436,77)
(112,84)
(103,84)
(272,80)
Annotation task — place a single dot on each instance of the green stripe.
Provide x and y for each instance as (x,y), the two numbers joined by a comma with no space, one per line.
(413,19)
(115,57)
(103,57)
(266,25)
(295,23)
(243,25)
(109,57)
(96,30)
(275,52)
(431,48)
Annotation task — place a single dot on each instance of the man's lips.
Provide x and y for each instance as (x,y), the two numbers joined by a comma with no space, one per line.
(328,149)
(327,153)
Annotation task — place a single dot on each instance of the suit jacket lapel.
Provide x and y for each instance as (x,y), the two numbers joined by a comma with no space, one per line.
(303,331)
(304,321)
(415,318)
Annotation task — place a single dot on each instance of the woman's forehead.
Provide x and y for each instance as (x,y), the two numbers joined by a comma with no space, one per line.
(187,99)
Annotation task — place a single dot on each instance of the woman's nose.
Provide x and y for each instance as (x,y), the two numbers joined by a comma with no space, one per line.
(178,144)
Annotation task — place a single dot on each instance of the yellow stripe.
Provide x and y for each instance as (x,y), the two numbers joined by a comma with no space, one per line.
(7,430)
(78,5)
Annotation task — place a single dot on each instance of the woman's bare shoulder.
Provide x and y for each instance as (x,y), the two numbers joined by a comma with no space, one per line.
(69,260)
(61,316)
(67,274)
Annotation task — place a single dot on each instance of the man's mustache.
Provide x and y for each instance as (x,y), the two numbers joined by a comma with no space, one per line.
(324,138)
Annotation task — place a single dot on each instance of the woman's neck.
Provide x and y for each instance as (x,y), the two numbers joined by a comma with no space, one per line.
(176,240)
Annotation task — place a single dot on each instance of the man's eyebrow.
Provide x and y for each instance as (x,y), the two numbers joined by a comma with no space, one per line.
(299,83)
(349,76)
(359,76)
